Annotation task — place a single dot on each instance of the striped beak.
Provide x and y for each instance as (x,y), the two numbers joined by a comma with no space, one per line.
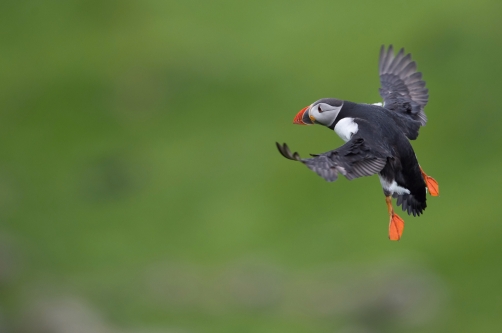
(303,117)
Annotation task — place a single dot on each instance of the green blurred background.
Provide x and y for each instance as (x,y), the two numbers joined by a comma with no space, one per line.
(141,190)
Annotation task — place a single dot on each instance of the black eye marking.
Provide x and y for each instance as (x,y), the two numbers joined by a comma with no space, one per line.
(319,109)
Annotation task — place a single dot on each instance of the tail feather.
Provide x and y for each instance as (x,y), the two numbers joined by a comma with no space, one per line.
(410,204)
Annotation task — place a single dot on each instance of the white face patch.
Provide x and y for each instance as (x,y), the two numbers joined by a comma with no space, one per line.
(393,187)
(346,128)
(324,113)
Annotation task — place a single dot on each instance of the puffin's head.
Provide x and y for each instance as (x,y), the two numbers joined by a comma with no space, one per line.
(323,112)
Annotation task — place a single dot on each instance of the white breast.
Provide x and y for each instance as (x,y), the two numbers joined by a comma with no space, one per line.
(345,128)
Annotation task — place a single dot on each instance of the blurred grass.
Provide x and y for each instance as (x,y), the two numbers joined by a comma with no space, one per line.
(137,133)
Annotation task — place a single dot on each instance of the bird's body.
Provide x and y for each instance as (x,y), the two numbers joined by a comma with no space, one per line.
(401,176)
(377,137)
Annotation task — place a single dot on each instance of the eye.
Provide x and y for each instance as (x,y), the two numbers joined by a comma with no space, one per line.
(319,109)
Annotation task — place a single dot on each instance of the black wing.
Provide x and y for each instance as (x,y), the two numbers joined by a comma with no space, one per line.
(354,159)
(403,89)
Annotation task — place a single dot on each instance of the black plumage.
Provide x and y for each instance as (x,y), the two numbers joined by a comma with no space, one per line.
(377,137)
(380,146)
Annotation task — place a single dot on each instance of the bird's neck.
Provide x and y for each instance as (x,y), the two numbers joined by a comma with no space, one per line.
(344,112)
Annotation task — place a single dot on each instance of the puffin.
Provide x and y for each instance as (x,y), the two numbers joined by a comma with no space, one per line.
(377,137)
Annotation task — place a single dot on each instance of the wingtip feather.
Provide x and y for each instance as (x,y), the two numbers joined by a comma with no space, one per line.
(284,150)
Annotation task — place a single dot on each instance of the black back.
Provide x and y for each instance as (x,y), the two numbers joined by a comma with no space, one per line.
(402,166)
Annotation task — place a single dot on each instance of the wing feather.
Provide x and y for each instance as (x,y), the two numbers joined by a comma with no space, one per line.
(354,159)
(402,87)
(385,57)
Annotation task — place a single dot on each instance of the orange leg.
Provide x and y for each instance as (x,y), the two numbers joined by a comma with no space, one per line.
(431,183)
(396,224)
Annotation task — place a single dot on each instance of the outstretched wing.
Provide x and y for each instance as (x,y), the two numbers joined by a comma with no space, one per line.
(403,89)
(354,159)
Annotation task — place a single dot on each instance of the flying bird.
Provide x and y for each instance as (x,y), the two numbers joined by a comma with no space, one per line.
(377,137)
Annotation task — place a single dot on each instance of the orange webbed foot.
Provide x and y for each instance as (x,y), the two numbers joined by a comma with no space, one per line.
(396,227)
(431,183)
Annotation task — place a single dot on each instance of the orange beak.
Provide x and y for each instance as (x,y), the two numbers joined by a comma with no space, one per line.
(302,118)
